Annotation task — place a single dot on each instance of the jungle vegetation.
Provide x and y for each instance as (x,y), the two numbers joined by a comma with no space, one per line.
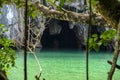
(104,13)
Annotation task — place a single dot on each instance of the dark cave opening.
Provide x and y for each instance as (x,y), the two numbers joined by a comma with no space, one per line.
(66,39)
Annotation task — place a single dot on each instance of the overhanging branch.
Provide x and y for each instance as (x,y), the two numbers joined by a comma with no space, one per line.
(70,16)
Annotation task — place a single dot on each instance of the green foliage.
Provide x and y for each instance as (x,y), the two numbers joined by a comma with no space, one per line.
(32,10)
(19,3)
(93,2)
(108,35)
(61,3)
(7,56)
(95,42)
(0,12)
(2,30)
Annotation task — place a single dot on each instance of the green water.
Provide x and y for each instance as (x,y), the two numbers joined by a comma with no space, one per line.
(67,65)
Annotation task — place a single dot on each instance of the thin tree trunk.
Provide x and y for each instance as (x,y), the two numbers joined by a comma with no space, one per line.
(87,47)
(25,41)
(116,53)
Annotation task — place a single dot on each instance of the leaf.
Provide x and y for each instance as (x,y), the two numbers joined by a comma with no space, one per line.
(0,12)
(96,47)
(33,15)
(61,4)
(2,25)
(8,66)
(108,35)
(99,44)
(94,35)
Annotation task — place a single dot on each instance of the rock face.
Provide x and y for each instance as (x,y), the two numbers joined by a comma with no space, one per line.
(12,18)
(76,6)
(57,35)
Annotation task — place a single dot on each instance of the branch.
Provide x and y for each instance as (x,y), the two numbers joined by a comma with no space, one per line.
(117,66)
(70,16)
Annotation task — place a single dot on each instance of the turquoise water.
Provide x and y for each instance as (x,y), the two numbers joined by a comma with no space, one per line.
(65,65)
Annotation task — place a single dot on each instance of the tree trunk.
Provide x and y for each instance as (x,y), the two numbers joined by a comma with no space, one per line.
(3,75)
(25,40)
(116,53)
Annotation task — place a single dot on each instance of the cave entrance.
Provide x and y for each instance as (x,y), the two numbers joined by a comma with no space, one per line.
(58,35)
